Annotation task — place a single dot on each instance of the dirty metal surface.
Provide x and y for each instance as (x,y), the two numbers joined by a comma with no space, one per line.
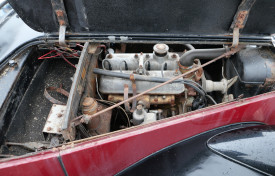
(54,120)
(102,123)
(30,118)
(109,85)
(76,92)
(242,13)
(59,90)
(59,9)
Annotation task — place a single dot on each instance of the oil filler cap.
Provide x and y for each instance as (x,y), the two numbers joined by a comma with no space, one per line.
(161,49)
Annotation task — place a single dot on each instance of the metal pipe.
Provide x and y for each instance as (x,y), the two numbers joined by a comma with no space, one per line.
(188,58)
(127,76)
(190,83)
(189,46)
(82,119)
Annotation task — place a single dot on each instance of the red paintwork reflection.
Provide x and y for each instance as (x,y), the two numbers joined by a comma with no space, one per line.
(110,154)
(44,163)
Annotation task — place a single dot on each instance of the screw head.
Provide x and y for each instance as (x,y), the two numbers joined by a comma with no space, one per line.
(174,56)
(136,56)
(12,63)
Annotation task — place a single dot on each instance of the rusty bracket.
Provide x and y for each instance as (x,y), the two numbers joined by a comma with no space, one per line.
(126,91)
(59,90)
(134,88)
(240,19)
(61,15)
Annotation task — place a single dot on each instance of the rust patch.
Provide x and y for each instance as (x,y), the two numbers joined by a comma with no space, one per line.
(269,82)
(241,19)
(83,73)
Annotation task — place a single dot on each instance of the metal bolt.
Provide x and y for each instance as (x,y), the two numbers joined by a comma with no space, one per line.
(12,63)
(147,55)
(174,56)
(139,109)
(49,129)
(164,97)
(136,56)
(110,56)
(59,115)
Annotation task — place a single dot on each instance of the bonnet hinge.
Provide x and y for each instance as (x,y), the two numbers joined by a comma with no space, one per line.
(61,15)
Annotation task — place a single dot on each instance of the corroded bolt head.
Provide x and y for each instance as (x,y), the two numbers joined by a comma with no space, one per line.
(59,115)
(110,56)
(174,56)
(49,129)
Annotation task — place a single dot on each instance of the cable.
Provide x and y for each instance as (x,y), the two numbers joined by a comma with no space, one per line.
(112,103)
(103,63)
(97,88)
(68,61)
(162,69)
(212,99)
(69,54)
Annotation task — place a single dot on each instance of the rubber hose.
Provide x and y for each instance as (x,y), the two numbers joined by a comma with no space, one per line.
(187,59)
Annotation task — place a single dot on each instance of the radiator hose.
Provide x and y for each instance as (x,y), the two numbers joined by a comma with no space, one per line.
(188,58)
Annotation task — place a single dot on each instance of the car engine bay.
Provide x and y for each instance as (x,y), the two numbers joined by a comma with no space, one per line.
(89,89)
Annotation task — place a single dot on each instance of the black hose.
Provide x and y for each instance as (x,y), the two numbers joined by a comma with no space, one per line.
(149,79)
(187,59)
